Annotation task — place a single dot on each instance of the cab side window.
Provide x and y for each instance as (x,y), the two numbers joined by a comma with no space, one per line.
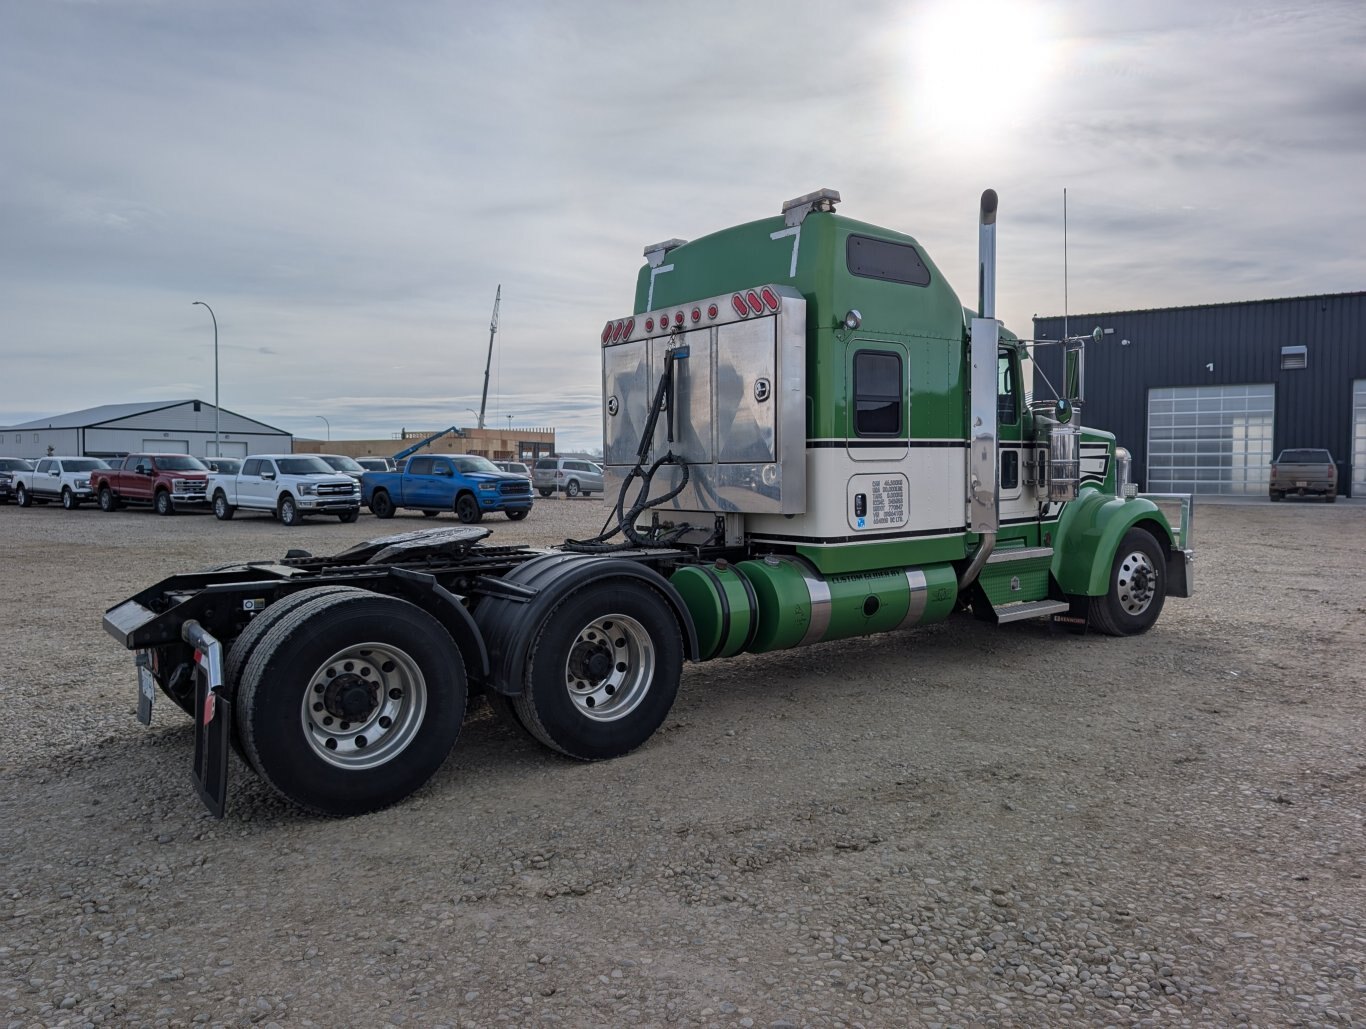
(877,393)
(252,467)
(420,466)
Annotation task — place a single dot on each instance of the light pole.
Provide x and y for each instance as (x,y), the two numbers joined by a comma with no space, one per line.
(476,415)
(217,439)
(329,426)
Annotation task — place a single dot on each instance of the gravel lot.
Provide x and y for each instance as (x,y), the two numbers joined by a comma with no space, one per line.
(961,825)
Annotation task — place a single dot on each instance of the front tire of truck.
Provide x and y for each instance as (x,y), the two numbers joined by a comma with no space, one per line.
(350,701)
(288,512)
(22,497)
(516,514)
(163,503)
(1137,590)
(222,510)
(69,500)
(347,517)
(545,492)
(599,682)
(108,502)
(381,505)
(467,508)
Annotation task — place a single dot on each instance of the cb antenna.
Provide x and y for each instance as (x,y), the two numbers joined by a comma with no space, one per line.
(1064,262)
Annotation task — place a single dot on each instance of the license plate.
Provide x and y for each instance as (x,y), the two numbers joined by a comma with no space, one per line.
(147,691)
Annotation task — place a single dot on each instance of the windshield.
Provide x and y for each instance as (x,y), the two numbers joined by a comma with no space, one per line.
(227,465)
(85,464)
(1305,457)
(176,463)
(14,464)
(469,463)
(342,463)
(304,466)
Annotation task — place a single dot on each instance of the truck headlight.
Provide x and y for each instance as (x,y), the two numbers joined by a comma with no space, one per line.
(82,483)
(307,489)
(489,487)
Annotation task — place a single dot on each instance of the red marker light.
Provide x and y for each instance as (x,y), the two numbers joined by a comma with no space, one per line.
(678,318)
(630,328)
(607,332)
(616,331)
(649,325)
(696,314)
(712,311)
(755,304)
(770,299)
(738,302)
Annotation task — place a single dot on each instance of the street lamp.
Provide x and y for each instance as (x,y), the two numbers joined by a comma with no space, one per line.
(329,426)
(217,439)
(509,423)
(475,413)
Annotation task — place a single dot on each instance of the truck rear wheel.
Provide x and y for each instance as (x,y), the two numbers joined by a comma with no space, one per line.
(1137,587)
(467,509)
(382,505)
(163,503)
(222,510)
(599,681)
(350,701)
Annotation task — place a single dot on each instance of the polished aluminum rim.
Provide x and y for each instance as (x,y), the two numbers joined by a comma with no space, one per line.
(610,666)
(363,706)
(1136,582)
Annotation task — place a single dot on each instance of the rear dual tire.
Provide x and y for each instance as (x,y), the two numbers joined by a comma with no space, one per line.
(347,701)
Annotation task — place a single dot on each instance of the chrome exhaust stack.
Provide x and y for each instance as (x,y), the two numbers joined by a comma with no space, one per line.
(984,516)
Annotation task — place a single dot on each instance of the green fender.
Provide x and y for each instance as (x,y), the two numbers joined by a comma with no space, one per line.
(1089,532)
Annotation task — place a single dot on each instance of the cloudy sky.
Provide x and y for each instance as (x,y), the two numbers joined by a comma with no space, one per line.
(347,183)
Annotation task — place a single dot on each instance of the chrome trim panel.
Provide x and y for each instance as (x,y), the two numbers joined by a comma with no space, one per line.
(1019,554)
(919,594)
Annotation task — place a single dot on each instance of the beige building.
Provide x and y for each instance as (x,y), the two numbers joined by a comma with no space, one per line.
(498,444)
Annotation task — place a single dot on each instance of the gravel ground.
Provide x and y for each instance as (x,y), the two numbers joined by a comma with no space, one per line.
(959,825)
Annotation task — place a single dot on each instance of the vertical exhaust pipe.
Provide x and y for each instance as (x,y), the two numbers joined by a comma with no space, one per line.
(984,517)
(986,257)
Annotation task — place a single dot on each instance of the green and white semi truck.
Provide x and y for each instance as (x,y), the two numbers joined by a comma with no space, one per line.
(809,438)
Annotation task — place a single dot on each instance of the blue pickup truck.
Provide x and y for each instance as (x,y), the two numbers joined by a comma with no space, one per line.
(468,485)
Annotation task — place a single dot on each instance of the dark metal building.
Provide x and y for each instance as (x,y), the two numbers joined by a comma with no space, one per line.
(1204,397)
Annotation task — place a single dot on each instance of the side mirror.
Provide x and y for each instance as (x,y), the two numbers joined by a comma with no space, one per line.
(268,475)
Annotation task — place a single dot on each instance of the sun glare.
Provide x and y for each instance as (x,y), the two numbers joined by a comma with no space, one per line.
(977,66)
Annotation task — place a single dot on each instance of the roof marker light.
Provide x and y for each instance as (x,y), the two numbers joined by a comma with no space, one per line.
(649,325)
(755,304)
(712,311)
(770,298)
(737,302)
(630,328)
(678,318)
(607,332)
(616,331)
(696,314)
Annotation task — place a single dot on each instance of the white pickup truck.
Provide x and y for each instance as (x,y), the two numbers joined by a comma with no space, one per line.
(57,478)
(288,486)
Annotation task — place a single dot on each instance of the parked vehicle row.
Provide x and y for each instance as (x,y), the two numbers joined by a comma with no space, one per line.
(288,487)
(567,475)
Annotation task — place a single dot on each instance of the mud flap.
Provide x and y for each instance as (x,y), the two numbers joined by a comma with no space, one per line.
(212,720)
(1076,619)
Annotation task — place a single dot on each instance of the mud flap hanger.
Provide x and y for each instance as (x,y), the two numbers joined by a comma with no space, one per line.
(212,719)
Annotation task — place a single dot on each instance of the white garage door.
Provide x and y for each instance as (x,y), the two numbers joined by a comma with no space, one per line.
(1211,439)
(166,446)
(227,448)
(1359,438)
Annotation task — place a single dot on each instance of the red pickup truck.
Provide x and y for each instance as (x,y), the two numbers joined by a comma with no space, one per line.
(166,481)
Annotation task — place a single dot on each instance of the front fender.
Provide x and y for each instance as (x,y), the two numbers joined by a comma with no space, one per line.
(1089,533)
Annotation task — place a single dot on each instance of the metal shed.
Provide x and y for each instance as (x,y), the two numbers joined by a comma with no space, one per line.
(173,426)
(1205,396)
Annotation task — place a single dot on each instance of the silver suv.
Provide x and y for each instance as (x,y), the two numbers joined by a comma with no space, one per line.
(568,475)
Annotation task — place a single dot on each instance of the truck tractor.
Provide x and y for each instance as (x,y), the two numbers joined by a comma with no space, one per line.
(808,437)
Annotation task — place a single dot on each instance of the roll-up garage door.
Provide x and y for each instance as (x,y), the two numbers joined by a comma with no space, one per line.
(1358,438)
(1211,439)
(166,446)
